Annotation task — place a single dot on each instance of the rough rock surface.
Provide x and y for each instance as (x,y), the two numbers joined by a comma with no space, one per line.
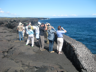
(12,23)
(84,55)
(15,56)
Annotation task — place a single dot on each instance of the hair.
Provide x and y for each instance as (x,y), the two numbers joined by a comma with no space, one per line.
(29,27)
(42,23)
(49,28)
(59,27)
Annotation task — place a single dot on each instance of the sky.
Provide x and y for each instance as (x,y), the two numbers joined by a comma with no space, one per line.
(48,8)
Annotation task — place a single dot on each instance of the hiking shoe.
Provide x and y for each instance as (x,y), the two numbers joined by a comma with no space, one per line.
(51,51)
(22,41)
(42,49)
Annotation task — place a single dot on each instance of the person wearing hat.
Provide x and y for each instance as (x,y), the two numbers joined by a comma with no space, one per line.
(20,30)
(30,36)
(28,25)
(42,29)
(51,38)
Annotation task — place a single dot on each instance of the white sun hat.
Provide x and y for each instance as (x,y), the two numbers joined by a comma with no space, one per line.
(20,23)
(39,23)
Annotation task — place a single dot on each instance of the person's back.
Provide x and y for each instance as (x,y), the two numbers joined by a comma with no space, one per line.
(30,36)
(60,33)
(20,28)
(42,30)
(30,32)
(60,39)
(51,35)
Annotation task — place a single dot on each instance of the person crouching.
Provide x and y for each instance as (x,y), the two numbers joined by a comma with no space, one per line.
(30,36)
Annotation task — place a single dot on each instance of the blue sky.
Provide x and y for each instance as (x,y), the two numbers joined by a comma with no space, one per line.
(48,8)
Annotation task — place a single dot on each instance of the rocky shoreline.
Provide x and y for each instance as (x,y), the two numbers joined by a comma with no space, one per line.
(16,57)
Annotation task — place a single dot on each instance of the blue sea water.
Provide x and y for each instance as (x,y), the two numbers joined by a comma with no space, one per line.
(80,29)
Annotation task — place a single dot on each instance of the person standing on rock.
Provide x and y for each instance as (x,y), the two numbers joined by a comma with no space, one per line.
(30,36)
(60,39)
(42,29)
(37,32)
(26,28)
(51,38)
(20,31)
(23,30)
(48,26)
(28,25)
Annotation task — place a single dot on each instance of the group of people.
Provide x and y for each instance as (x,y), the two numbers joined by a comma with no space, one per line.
(40,32)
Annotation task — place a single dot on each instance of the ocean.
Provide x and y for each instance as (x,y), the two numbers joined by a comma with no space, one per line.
(80,29)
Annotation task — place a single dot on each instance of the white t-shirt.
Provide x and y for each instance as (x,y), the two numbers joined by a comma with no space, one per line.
(37,29)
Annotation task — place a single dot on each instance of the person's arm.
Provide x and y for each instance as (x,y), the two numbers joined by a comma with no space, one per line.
(64,30)
(17,28)
(54,29)
(45,27)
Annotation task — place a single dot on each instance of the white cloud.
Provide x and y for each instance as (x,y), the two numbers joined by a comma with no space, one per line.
(93,14)
(65,15)
(8,13)
(1,11)
(73,15)
(54,15)
(61,15)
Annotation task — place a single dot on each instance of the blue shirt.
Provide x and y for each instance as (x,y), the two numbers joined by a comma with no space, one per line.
(30,32)
(51,35)
(60,33)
